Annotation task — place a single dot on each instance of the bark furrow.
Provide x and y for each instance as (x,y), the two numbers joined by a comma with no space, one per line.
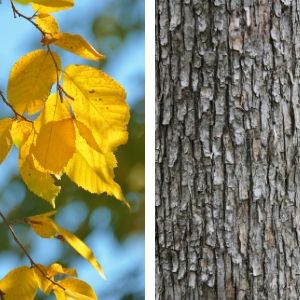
(227,149)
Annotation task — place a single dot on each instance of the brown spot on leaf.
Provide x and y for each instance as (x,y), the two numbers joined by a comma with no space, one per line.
(60,237)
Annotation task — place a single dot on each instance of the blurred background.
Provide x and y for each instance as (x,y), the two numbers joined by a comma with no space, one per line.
(114,232)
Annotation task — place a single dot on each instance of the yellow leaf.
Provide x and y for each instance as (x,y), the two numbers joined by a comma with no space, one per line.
(47,228)
(70,42)
(77,45)
(20,283)
(92,170)
(42,282)
(81,248)
(75,289)
(86,133)
(99,103)
(5,138)
(37,181)
(55,269)
(49,6)
(30,81)
(25,139)
(49,26)
(23,1)
(20,131)
(54,110)
(41,184)
(55,145)
(42,225)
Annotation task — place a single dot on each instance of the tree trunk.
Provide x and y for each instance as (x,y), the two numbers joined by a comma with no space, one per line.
(227,149)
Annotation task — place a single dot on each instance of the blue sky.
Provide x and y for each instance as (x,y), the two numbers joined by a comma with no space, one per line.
(18,37)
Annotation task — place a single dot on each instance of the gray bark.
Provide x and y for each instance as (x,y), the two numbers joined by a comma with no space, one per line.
(227,149)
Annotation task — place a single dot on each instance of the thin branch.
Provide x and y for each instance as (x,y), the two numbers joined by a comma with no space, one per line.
(59,88)
(17,13)
(32,262)
(10,106)
(57,72)
(62,91)
(16,239)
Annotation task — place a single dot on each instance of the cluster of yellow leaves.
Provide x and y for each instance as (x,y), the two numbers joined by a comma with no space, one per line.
(76,129)
(73,131)
(69,42)
(24,282)
(42,277)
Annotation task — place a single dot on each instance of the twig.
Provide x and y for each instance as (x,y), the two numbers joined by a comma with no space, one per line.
(16,239)
(62,91)
(10,106)
(57,73)
(17,13)
(32,262)
(59,88)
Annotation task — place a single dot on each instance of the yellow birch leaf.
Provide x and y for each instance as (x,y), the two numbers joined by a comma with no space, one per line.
(55,145)
(25,139)
(19,283)
(5,138)
(70,42)
(42,225)
(49,26)
(43,283)
(20,131)
(24,1)
(86,133)
(57,269)
(75,289)
(50,6)
(93,171)
(99,103)
(78,45)
(31,79)
(54,110)
(52,271)
(80,247)
(47,228)
(37,181)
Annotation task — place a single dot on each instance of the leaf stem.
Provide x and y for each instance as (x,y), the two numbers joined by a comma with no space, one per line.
(22,247)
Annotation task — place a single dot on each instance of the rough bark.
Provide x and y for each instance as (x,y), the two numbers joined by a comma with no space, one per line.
(227,149)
